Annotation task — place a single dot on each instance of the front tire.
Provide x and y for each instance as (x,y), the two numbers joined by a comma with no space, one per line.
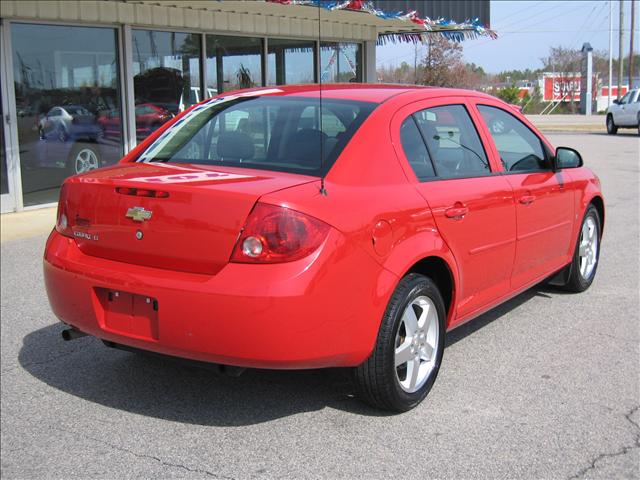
(586,254)
(408,352)
(612,129)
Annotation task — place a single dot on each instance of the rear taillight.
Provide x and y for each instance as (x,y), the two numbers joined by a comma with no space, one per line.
(62,221)
(275,234)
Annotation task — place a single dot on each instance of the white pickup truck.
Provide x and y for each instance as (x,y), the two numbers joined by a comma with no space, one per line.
(624,113)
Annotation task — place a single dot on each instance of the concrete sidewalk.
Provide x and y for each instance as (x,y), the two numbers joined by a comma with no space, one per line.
(569,123)
(14,226)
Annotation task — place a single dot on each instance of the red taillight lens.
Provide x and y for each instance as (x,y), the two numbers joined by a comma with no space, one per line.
(62,221)
(275,234)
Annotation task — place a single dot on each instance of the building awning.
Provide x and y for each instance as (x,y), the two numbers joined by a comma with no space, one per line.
(384,25)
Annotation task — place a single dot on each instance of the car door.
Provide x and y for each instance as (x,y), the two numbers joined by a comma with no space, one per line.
(544,202)
(472,205)
(631,109)
(621,115)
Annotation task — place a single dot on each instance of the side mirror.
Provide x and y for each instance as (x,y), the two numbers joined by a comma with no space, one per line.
(616,101)
(567,158)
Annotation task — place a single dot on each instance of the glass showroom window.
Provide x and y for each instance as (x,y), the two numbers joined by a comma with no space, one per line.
(232,63)
(340,62)
(66,84)
(4,180)
(290,61)
(166,69)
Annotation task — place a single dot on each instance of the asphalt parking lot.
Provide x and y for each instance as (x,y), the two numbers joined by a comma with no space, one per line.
(545,386)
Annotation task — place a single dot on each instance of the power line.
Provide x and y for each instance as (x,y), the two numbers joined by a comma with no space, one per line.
(522,11)
(570,5)
(407,55)
(559,4)
(541,12)
(576,39)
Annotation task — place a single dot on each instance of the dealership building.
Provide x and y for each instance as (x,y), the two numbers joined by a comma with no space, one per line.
(83,81)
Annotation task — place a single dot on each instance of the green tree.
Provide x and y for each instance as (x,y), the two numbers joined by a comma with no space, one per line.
(508,94)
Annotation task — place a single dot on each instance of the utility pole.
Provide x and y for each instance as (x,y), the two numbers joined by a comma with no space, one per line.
(633,21)
(620,48)
(610,51)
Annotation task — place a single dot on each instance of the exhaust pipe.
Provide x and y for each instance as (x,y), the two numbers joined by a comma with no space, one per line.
(71,334)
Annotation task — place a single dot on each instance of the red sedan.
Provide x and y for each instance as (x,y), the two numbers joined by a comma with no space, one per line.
(266,228)
(149,117)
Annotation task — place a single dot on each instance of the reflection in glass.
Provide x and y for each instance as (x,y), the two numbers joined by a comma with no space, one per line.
(166,68)
(340,62)
(66,79)
(290,61)
(233,63)
(4,181)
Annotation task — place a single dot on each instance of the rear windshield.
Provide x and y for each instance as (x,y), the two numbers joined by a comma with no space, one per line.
(289,134)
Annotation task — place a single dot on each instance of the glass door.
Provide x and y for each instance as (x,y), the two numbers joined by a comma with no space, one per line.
(7,180)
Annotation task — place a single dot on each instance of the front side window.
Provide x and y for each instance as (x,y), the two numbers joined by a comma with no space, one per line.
(452,142)
(626,98)
(273,133)
(520,149)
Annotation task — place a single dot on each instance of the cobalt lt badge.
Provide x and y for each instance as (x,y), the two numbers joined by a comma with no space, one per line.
(138,214)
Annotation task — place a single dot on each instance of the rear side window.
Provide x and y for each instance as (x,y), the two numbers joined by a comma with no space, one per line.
(415,150)
(452,142)
(520,149)
(290,134)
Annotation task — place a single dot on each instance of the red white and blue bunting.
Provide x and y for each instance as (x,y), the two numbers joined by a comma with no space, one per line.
(449,29)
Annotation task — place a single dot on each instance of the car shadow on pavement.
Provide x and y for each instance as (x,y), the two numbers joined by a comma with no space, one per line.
(164,388)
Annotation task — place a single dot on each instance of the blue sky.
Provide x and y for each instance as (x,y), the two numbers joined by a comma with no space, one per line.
(527,29)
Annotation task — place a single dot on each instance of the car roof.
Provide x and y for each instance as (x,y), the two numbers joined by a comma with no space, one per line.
(364,92)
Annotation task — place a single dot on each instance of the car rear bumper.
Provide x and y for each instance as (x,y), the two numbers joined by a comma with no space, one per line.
(321,311)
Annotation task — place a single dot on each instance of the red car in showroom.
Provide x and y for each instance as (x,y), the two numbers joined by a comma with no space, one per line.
(149,117)
(298,227)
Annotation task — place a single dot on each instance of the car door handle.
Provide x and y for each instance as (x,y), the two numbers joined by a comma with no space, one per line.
(527,199)
(457,211)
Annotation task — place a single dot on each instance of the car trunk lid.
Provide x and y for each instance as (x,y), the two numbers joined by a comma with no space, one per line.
(184,218)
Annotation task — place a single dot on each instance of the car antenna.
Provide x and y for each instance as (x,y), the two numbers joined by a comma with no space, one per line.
(323,191)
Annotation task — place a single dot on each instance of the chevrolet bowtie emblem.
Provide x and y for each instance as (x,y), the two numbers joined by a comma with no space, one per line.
(138,214)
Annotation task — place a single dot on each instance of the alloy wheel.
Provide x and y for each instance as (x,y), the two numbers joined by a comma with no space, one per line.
(416,344)
(85,160)
(588,247)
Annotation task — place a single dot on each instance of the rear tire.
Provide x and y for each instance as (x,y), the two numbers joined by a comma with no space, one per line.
(587,253)
(408,352)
